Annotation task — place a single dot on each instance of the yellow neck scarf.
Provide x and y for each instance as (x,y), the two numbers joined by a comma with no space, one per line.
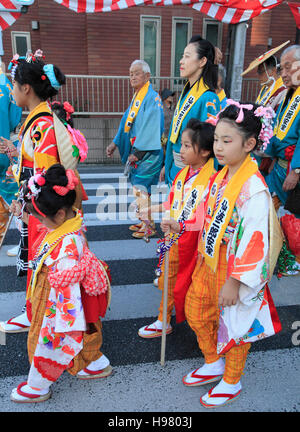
(266,93)
(217,219)
(135,106)
(221,95)
(191,98)
(50,241)
(291,111)
(187,209)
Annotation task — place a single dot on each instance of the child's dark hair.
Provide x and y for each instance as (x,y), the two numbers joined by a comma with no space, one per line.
(62,113)
(48,201)
(32,73)
(201,135)
(249,127)
(210,71)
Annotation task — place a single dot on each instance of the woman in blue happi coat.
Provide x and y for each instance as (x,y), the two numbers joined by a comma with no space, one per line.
(197,100)
(10,116)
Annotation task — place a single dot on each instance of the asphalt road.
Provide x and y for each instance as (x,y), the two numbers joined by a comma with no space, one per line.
(139,383)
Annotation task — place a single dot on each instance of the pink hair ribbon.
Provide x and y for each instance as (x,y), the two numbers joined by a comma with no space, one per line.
(240,117)
(72,183)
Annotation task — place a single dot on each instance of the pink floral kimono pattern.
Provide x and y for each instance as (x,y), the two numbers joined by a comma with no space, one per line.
(61,335)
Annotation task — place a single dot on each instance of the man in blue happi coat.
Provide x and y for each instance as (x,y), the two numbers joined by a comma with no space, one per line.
(139,140)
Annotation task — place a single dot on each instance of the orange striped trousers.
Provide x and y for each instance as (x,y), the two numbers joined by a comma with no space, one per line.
(202,313)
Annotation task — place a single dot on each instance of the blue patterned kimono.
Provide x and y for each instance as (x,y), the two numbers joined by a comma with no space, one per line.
(145,135)
(207,105)
(276,149)
(223,99)
(10,117)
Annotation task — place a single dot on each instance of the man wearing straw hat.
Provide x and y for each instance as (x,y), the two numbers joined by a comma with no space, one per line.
(272,90)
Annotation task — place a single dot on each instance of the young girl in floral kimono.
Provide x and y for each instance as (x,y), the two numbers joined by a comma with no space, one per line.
(68,291)
(228,304)
(187,189)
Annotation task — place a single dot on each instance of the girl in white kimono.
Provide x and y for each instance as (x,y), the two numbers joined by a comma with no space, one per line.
(228,304)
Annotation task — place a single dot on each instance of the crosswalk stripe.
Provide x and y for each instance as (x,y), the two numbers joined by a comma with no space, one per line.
(107,250)
(134,303)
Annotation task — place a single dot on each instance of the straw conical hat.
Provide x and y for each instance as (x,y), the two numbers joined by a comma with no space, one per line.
(263,58)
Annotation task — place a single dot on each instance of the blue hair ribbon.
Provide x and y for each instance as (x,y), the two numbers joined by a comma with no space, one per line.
(49,71)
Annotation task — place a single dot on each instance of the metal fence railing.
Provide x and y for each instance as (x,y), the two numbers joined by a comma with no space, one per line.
(106,95)
(100,101)
(250,89)
(99,95)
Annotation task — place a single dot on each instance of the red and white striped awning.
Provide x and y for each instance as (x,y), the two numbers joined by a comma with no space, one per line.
(227,11)
(295,8)
(7,18)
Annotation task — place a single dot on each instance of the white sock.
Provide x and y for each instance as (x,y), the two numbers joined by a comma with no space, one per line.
(222,387)
(159,324)
(27,389)
(215,368)
(99,364)
(21,319)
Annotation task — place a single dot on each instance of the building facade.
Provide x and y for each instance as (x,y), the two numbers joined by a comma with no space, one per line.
(106,43)
(102,45)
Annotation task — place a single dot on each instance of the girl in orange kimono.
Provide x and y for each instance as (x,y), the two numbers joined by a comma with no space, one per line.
(228,304)
(197,153)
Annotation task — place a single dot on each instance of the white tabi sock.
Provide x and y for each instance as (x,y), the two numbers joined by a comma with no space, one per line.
(99,364)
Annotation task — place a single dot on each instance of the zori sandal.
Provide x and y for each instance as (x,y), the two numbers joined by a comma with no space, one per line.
(87,374)
(229,397)
(193,379)
(19,396)
(152,331)
(13,326)
(136,227)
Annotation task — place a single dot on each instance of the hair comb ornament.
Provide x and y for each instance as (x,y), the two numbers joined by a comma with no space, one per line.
(267,115)
(13,65)
(69,109)
(213,120)
(34,185)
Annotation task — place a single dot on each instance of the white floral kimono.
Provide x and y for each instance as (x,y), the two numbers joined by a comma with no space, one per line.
(254,316)
(61,334)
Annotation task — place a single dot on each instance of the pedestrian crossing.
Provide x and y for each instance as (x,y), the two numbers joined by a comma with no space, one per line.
(139,380)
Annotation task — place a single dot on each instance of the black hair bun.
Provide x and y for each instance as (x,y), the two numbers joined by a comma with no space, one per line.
(32,72)
(251,124)
(56,175)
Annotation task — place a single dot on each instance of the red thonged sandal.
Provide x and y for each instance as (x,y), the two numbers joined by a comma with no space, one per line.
(230,398)
(198,380)
(101,373)
(28,397)
(11,326)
